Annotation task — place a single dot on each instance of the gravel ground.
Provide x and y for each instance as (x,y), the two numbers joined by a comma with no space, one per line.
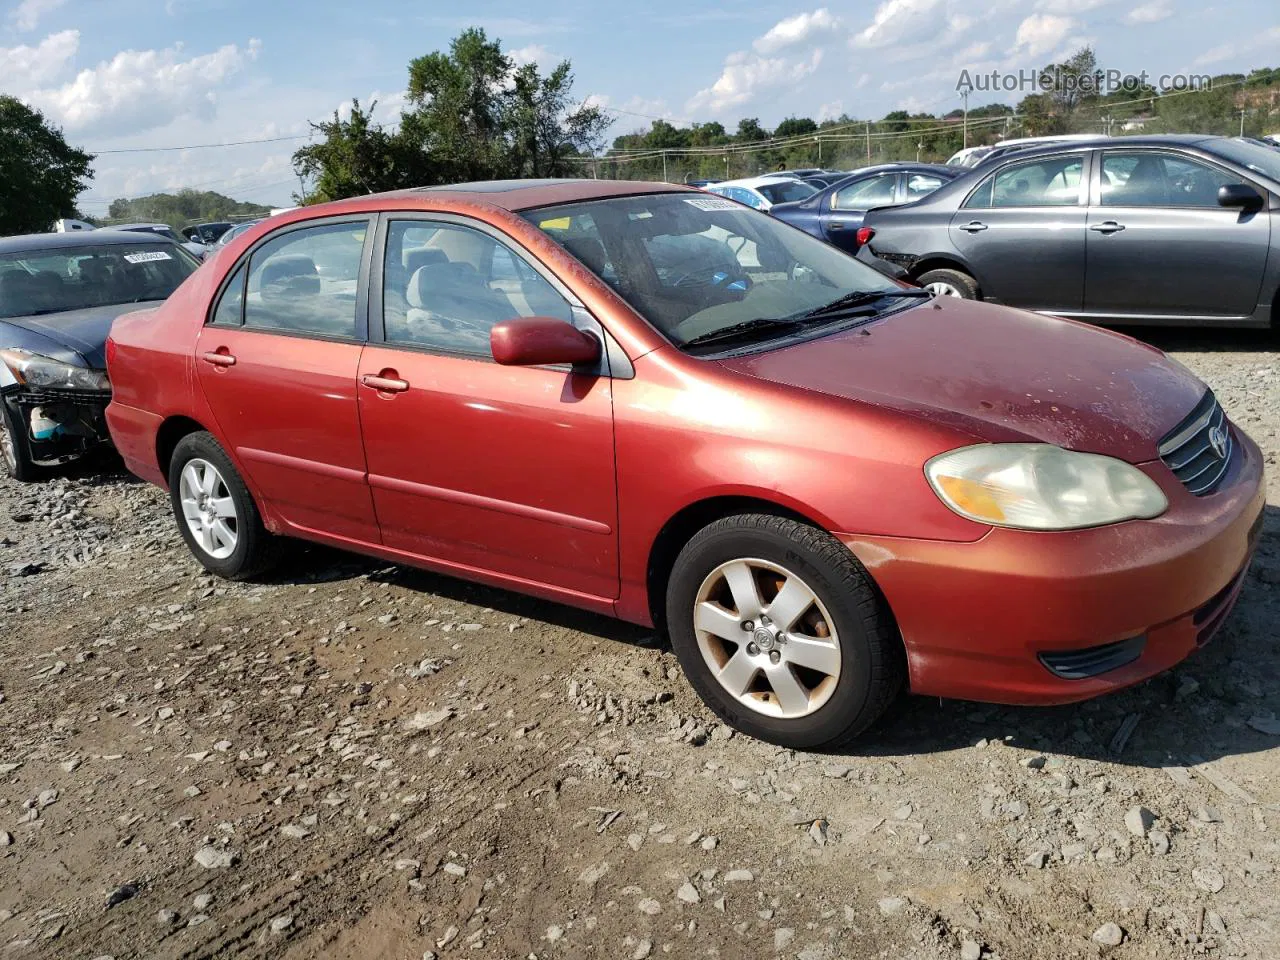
(358,760)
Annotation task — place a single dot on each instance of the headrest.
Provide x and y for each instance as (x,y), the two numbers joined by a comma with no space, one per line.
(416,257)
(589,250)
(289,276)
(444,279)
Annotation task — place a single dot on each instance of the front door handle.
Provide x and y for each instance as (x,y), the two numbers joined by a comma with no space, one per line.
(836,225)
(1107,226)
(974,226)
(219,358)
(385,384)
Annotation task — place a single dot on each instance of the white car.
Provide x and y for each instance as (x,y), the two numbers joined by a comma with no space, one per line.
(763,192)
(972,156)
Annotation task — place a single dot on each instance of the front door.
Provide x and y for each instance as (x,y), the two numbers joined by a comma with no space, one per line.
(278,363)
(1023,231)
(483,468)
(1160,246)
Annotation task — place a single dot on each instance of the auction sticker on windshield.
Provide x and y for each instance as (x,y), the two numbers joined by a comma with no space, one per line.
(713,203)
(149,257)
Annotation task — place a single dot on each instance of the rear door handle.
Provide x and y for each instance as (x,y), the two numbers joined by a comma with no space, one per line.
(1107,226)
(219,358)
(974,226)
(385,384)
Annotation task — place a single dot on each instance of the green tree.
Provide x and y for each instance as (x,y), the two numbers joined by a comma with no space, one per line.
(40,174)
(358,156)
(182,209)
(545,130)
(795,127)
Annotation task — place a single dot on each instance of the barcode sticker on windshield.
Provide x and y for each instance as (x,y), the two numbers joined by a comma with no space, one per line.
(712,203)
(149,257)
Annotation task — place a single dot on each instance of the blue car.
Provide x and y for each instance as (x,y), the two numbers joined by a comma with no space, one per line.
(835,213)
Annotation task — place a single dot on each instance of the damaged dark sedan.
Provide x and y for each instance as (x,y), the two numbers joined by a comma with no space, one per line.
(59,293)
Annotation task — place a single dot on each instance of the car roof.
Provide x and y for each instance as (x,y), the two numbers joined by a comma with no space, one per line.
(1091,143)
(140,226)
(516,195)
(72,238)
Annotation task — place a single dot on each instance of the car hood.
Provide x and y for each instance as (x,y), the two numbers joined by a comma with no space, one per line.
(999,375)
(76,336)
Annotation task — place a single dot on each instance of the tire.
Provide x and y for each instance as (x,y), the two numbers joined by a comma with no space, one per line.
(844,691)
(15,452)
(950,283)
(203,481)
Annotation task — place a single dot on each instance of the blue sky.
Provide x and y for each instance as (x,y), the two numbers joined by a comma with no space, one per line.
(124,74)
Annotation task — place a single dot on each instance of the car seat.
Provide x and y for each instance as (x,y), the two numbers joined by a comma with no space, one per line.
(450,307)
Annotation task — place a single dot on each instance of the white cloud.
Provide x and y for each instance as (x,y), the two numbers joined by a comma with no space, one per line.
(896,20)
(1040,33)
(746,75)
(796,30)
(139,90)
(28,14)
(830,111)
(533,53)
(24,68)
(1149,12)
(1238,49)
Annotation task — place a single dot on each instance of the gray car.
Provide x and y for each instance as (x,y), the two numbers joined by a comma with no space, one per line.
(1154,229)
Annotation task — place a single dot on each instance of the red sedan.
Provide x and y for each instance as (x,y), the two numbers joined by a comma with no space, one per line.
(657,404)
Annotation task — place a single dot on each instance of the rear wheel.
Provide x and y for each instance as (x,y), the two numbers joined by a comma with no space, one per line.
(949,283)
(782,633)
(216,514)
(15,452)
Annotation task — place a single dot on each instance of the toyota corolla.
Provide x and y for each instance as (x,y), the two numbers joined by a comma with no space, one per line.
(657,404)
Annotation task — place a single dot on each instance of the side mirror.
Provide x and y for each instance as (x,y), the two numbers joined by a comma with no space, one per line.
(541,341)
(1239,195)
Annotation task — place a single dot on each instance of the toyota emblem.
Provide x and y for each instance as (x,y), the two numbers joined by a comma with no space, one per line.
(1218,440)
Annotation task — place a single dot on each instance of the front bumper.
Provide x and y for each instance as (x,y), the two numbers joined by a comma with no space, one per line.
(979,619)
(78,416)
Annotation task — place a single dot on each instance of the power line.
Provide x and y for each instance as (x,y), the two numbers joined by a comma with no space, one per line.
(200,146)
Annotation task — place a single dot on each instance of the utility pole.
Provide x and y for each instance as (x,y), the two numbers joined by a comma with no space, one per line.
(1242,123)
(964,124)
(726,166)
(664,166)
(819,139)
(868,143)
(919,147)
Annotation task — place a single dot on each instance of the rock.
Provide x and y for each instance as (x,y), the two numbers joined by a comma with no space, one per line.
(649,906)
(47,798)
(455,869)
(426,720)
(554,933)
(211,858)
(202,901)
(969,950)
(6,838)
(709,843)
(167,918)
(1187,686)
(818,832)
(593,875)
(1267,725)
(891,905)
(688,893)
(643,949)
(198,919)
(739,876)
(1159,841)
(295,832)
(1033,763)
(281,923)
(1208,815)
(635,841)
(1208,879)
(836,771)
(1139,820)
(1037,860)
(782,938)
(1108,935)
(903,812)
(120,894)
(738,785)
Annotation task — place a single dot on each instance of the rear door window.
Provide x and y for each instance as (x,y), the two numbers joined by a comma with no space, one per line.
(872,192)
(1047,182)
(305,281)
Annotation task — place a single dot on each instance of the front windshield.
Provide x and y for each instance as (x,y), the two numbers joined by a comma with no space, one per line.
(693,264)
(94,275)
(786,191)
(1259,159)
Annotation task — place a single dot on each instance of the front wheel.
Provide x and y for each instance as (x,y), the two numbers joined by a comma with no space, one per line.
(949,283)
(216,514)
(781,631)
(15,451)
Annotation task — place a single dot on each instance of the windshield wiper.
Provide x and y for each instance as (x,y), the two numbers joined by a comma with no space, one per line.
(859,298)
(746,330)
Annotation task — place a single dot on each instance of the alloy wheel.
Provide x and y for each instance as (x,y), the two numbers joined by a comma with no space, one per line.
(767,638)
(7,449)
(943,289)
(208,509)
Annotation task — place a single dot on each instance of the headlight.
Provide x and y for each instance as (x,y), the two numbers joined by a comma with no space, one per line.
(1037,486)
(40,372)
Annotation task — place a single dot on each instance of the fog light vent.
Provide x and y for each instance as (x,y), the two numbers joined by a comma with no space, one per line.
(1092,661)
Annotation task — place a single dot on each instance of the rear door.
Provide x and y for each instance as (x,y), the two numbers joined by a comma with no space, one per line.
(507,471)
(1160,246)
(849,205)
(277,361)
(1023,231)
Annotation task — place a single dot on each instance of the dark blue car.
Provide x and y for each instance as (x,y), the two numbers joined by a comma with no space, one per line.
(59,293)
(835,213)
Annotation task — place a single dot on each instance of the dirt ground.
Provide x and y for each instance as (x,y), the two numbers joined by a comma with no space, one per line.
(355,760)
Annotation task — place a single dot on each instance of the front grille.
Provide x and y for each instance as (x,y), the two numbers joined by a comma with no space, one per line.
(1199,449)
(1091,661)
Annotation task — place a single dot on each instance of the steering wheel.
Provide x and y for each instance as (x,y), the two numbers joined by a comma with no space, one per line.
(713,276)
